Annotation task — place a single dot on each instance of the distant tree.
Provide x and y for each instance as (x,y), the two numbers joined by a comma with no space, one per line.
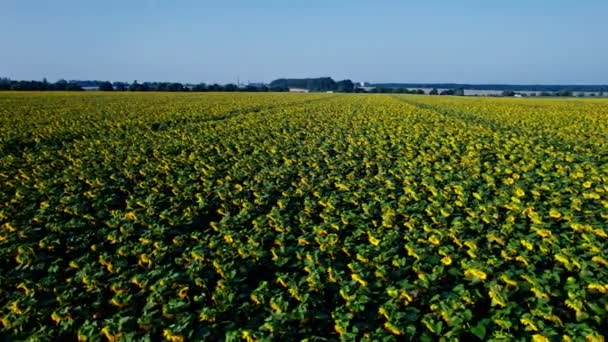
(175,87)
(592,94)
(60,85)
(73,87)
(345,86)
(312,84)
(106,86)
(459,92)
(134,86)
(601,93)
(434,92)
(230,87)
(5,83)
(19,85)
(420,91)
(508,93)
(215,87)
(200,87)
(447,92)
(120,86)
(580,94)
(278,89)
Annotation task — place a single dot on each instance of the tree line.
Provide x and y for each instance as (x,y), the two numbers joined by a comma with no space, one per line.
(63,85)
(179,87)
(315,84)
(325,84)
(321,84)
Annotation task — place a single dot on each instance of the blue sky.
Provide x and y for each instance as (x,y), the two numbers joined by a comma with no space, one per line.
(468,41)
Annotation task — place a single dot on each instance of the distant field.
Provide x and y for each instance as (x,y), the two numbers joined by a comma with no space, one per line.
(274,216)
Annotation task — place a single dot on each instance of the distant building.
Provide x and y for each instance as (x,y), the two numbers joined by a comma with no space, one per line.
(365,86)
(250,84)
(298,90)
(91,88)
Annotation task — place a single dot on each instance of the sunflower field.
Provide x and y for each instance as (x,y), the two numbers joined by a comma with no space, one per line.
(317,217)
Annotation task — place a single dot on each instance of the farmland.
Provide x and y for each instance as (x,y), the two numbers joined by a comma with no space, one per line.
(148,216)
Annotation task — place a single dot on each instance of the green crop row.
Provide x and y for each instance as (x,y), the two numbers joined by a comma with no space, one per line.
(263,217)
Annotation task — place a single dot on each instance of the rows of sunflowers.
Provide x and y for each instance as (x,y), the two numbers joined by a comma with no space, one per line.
(262,217)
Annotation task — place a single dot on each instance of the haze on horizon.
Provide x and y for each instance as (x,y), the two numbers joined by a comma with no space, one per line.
(470,41)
